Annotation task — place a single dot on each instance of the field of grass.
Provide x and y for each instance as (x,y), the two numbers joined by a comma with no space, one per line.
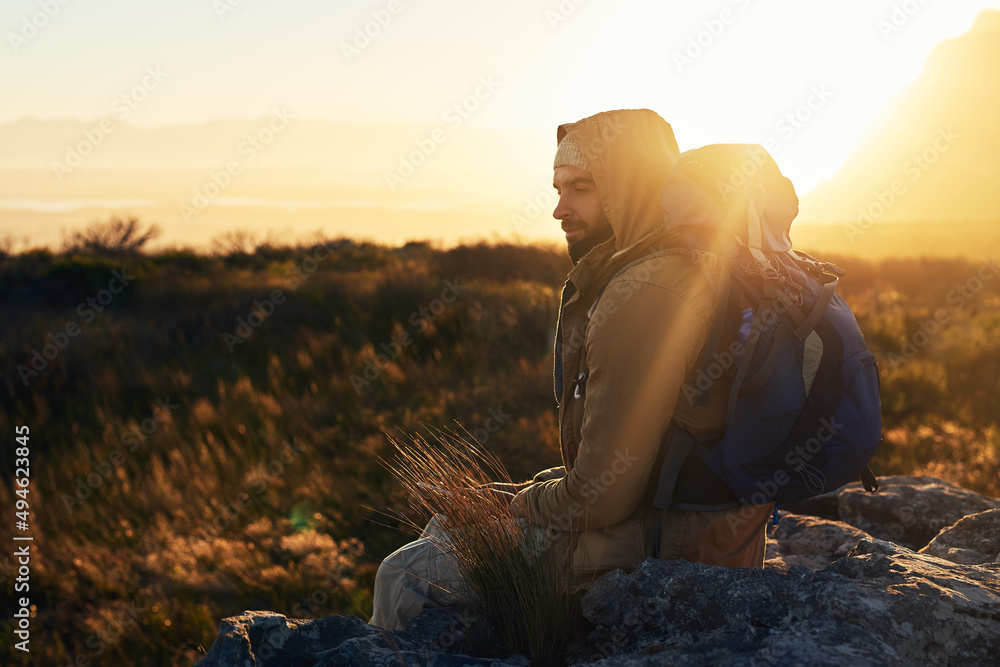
(882,240)
(205,428)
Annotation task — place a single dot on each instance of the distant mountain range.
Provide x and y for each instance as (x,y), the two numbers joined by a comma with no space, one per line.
(390,181)
(933,153)
(345,152)
(930,156)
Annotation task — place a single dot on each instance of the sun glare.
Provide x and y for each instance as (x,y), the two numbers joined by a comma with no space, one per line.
(407,124)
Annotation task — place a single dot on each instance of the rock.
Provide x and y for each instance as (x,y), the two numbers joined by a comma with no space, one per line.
(268,639)
(808,541)
(831,593)
(256,637)
(441,630)
(971,540)
(910,510)
(881,605)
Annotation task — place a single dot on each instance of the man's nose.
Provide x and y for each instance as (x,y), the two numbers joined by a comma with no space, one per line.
(561,211)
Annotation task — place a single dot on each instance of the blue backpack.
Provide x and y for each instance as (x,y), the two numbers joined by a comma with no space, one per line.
(804,415)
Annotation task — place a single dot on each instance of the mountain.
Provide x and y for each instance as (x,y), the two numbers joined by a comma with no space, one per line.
(349,151)
(931,154)
(392,181)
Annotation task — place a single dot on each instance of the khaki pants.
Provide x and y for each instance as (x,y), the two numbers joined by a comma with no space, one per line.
(424,574)
(420,575)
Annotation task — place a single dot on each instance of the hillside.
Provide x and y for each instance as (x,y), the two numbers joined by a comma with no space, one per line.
(931,154)
(205,439)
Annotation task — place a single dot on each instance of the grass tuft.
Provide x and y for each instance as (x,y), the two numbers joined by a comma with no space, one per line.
(516,578)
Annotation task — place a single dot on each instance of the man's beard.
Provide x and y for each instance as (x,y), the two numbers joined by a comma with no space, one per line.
(578,249)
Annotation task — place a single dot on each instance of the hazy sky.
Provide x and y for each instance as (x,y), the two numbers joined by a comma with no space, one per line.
(731,70)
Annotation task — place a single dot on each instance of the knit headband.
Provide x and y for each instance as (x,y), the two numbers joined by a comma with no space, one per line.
(570,154)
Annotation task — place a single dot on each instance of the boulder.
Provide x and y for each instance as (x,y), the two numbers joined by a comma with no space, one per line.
(881,605)
(831,593)
(808,541)
(910,510)
(268,639)
(971,540)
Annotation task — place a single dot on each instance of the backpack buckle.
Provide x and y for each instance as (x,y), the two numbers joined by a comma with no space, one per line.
(580,384)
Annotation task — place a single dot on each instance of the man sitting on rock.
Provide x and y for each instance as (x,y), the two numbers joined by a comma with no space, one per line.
(633,324)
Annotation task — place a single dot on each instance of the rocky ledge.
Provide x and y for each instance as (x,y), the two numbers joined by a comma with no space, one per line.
(907,576)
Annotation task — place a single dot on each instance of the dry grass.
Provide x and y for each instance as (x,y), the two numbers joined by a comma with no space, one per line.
(516,579)
(198,522)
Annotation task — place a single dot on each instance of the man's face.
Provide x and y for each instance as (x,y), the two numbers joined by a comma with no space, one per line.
(579,206)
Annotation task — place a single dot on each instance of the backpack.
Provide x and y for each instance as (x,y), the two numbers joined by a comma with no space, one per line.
(804,414)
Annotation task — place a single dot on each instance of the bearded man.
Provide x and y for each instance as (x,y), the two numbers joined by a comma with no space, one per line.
(634,319)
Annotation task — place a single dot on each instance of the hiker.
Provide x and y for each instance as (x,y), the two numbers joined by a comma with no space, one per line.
(621,364)
(635,315)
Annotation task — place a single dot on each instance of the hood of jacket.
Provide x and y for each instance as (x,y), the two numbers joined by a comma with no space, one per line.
(629,152)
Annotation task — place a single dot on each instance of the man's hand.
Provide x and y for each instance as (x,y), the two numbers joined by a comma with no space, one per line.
(506,486)
(502,491)
(499,496)
(499,492)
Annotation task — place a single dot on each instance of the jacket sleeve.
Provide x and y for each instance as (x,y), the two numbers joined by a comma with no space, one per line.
(638,356)
(549,473)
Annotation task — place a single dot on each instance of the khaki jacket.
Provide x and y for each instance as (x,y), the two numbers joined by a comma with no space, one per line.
(639,344)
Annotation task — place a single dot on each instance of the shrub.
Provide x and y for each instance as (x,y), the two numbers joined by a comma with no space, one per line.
(117,237)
